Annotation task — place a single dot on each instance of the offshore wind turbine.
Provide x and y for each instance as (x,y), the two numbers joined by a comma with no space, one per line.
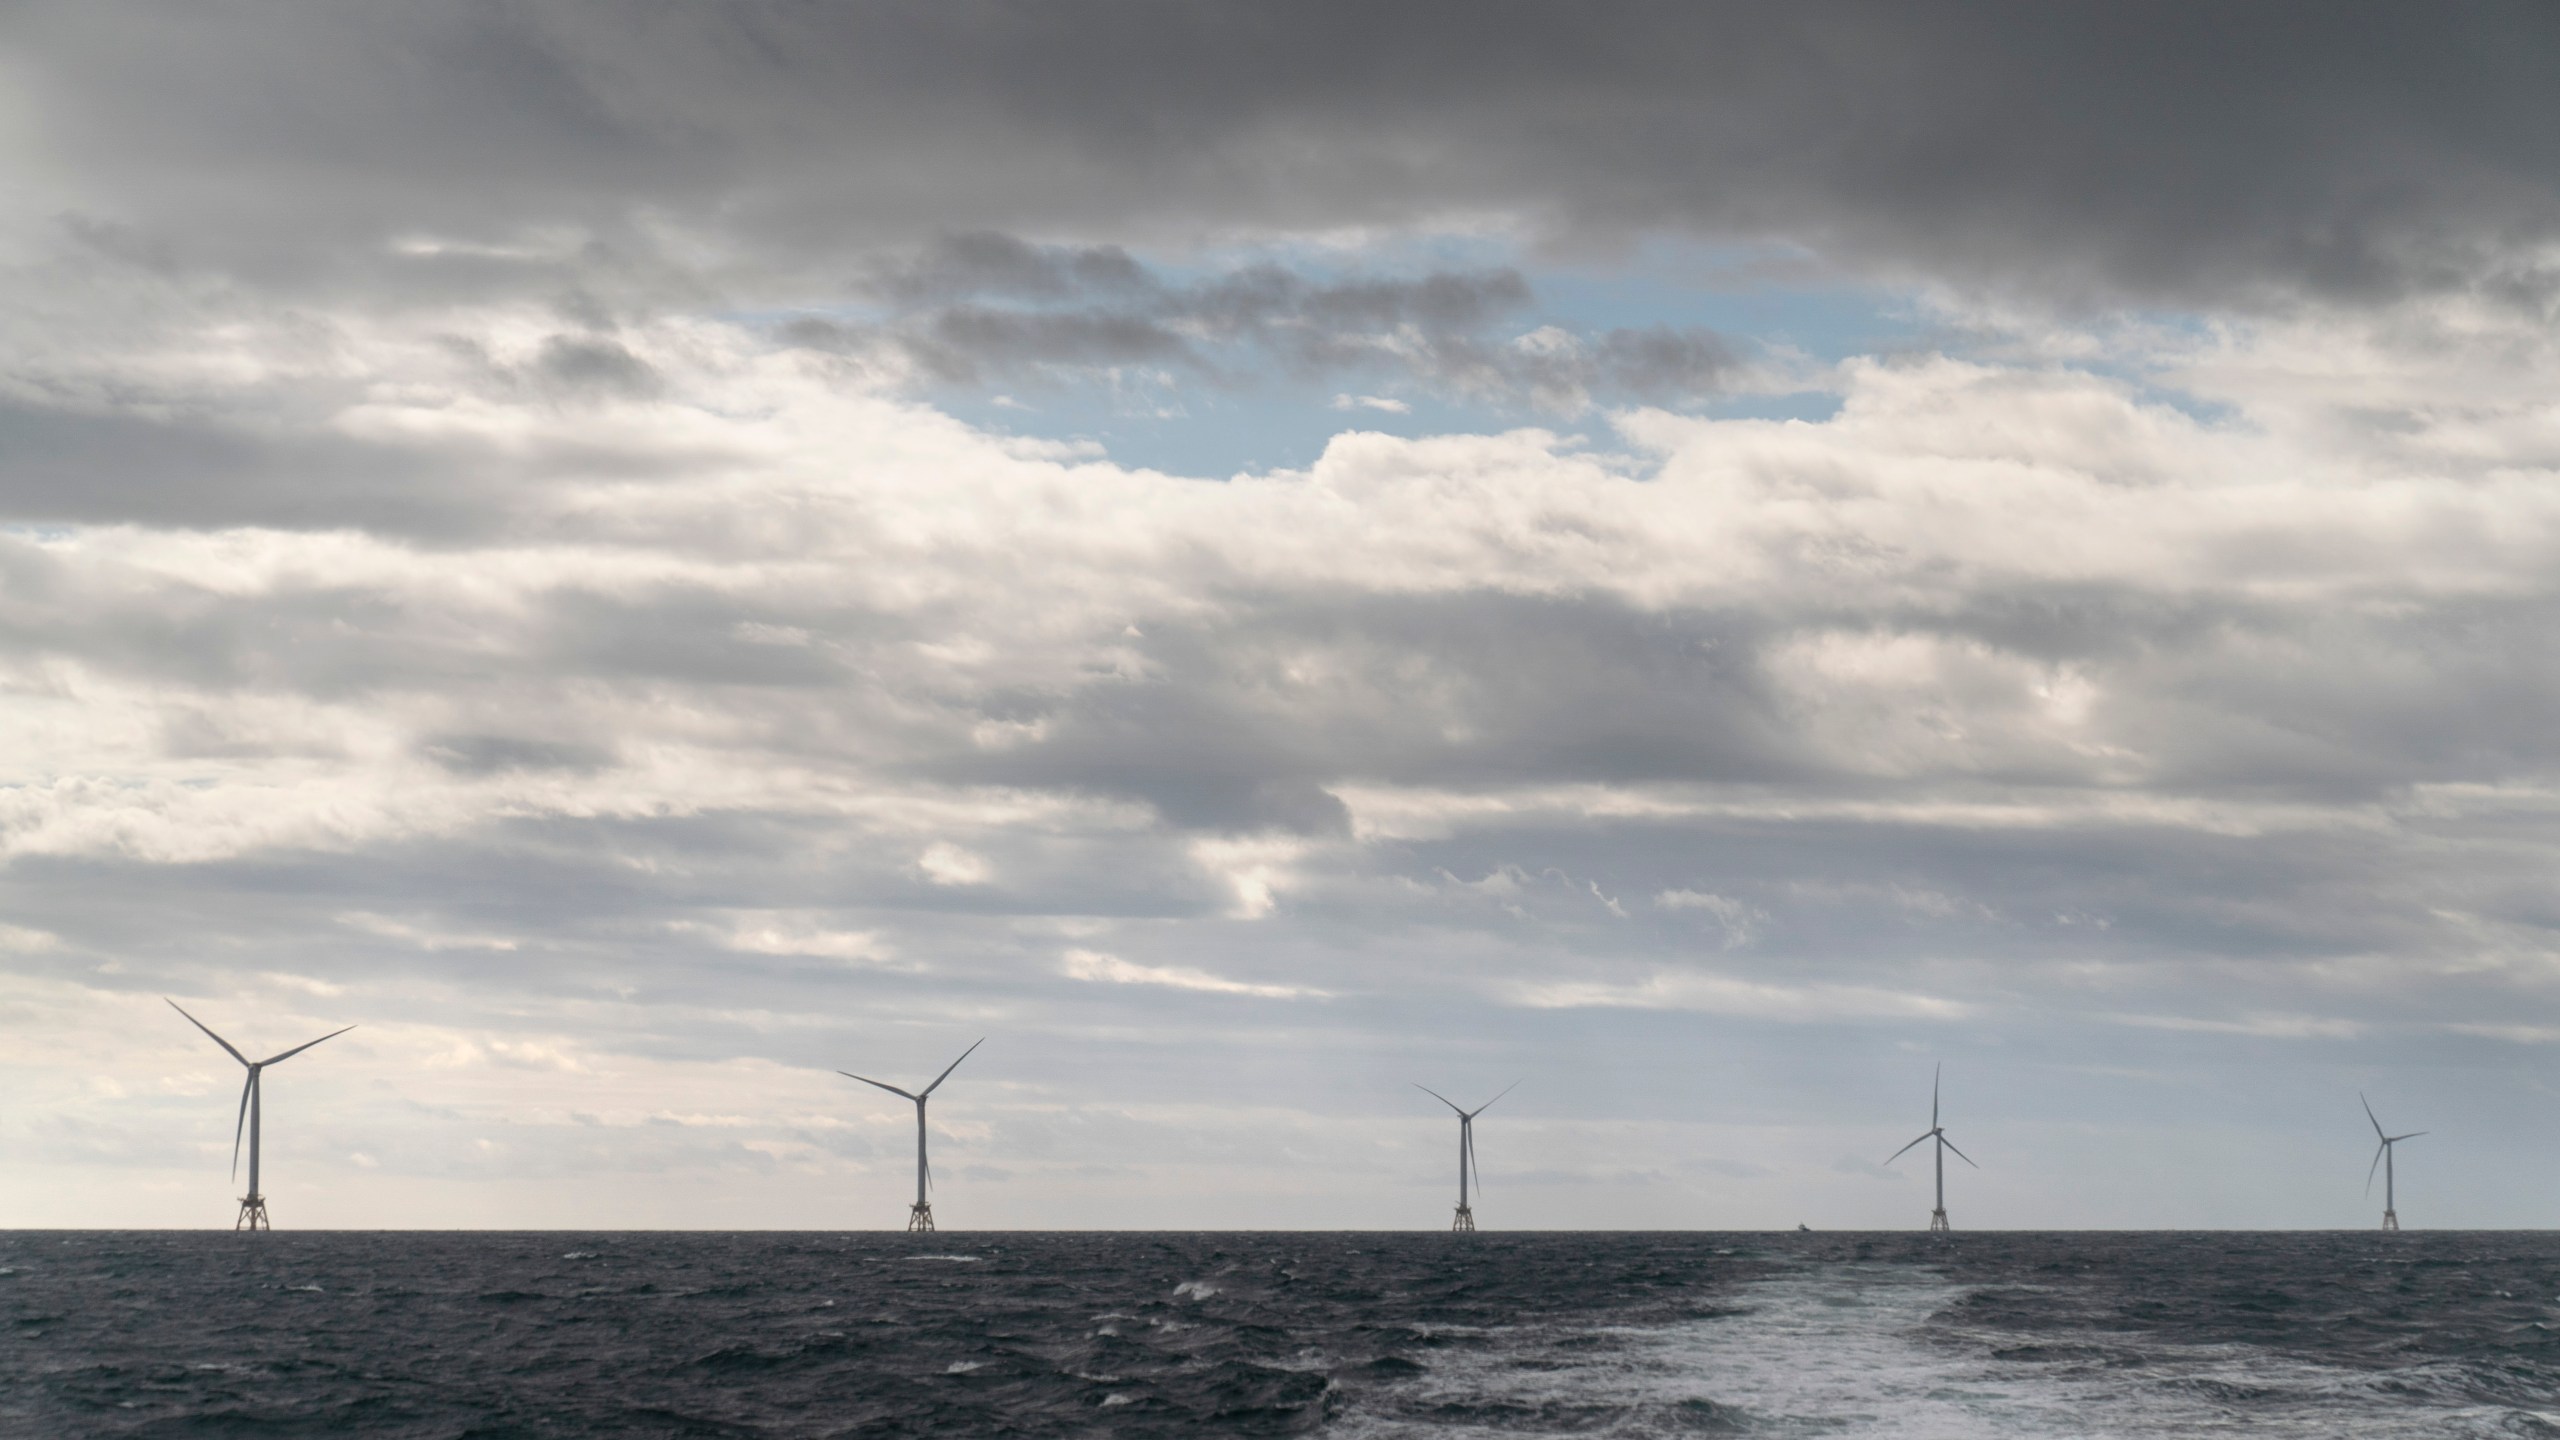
(2382,1158)
(253,1206)
(1937,1217)
(1466,1221)
(920,1218)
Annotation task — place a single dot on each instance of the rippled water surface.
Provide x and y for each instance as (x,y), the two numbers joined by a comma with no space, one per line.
(554,1335)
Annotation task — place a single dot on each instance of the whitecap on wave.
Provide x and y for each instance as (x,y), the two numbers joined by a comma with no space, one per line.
(1853,1351)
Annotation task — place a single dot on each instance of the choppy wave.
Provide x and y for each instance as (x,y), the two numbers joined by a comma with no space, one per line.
(1370,1337)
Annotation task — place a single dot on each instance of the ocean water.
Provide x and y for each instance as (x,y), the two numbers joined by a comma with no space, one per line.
(1358,1335)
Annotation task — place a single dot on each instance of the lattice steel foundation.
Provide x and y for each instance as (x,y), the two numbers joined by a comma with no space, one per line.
(919,1219)
(1466,1221)
(1938,1222)
(253,1213)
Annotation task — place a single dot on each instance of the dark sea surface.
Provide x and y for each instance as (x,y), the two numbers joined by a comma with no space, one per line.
(707,1335)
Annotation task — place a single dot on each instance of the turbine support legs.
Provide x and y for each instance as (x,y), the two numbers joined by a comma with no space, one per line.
(1465,1224)
(920,1219)
(253,1213)
(2390,1220)
(1938,1222)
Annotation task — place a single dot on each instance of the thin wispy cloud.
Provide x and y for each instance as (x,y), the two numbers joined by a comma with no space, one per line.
(974,309)
(1112,970)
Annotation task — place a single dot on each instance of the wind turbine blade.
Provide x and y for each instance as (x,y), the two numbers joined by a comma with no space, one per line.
(2371,1170)
(1905,1150)
(1471,1157)
(867,1080)
(298,1049)
(1950,1144)
(1443,1099)
(2412,1135)
(1935,1073)
(954,1065)
(1507,1089)
(218,1040)
(2368,1114)
(242,1124)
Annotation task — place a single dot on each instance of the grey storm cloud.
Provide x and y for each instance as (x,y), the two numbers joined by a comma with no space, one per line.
(2352,150)
(65,465)
(591,365)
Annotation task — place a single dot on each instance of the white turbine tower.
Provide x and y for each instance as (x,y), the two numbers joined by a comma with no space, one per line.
(1938,1216)
(2382,1159)
(253,1206)
(1466,1221)
(919,1219)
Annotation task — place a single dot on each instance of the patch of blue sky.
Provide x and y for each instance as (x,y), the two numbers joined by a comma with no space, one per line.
(1784,316)
(2142,345)
(1760,300)
(1191,427)
(1778,303)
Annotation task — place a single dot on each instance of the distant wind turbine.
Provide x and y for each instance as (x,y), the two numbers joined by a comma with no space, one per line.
(1937,1217)
(2382,1159)
(253,1206)
(919,1219)
(1466,1221)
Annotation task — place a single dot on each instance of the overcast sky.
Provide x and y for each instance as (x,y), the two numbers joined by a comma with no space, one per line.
(1703,559)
